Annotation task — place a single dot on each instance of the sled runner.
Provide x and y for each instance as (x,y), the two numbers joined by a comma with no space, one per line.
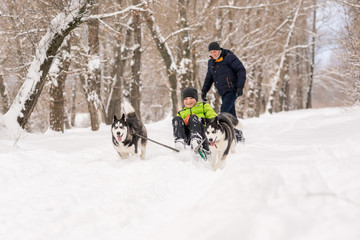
(204,154)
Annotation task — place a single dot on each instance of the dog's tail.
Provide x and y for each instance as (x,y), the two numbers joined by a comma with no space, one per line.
(128,109)
(227,117)
(134,121)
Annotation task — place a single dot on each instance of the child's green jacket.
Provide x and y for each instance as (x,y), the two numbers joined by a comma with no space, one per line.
(202,110)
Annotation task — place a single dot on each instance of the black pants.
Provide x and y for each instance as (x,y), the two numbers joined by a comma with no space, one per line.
(195,130)
(228,103)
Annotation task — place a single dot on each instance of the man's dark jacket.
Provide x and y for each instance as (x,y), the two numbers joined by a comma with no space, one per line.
(228,73)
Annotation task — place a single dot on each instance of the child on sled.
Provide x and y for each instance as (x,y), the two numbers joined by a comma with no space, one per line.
(188,125)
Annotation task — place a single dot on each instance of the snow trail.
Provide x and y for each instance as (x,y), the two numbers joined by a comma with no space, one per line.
(295,178)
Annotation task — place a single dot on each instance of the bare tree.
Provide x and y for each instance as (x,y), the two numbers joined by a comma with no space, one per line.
(57,75)
(121,49)
(166,55)
(91,78)
(311,76)
(4,94)
(135,82)
(273,104)
(47,48)
(184,47)
(351,44)
(73,104)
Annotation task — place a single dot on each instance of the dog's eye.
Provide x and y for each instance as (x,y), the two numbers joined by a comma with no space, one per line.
(213,131)
(122,127)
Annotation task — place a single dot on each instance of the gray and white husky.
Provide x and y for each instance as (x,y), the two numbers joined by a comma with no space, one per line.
(125,134)
(220,133)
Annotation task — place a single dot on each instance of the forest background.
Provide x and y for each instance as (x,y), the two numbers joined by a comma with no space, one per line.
(61,58)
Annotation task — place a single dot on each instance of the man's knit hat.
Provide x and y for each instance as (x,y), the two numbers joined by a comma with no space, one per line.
(190,92)
(214,46)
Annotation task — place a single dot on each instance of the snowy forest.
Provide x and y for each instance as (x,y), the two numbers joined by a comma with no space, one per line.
(63,58)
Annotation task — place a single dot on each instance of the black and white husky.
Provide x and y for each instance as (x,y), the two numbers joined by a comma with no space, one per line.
(221,136)
(125,134)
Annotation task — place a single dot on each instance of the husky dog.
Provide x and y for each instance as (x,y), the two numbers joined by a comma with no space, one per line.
(125,134)
(221,136)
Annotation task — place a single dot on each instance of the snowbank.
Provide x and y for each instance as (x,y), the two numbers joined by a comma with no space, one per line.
(297,177)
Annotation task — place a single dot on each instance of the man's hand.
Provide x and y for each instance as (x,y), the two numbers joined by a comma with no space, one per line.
(239,92)
(203,96)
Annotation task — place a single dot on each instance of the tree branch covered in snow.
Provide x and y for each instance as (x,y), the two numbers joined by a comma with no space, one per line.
(137,7)
(176,33)
(279,77)
(47,48)
(264,5)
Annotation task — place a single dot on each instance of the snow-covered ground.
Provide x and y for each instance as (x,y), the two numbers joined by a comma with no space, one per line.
(297,177)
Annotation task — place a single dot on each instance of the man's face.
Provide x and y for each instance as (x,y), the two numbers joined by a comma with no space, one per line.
(215,53)
(189,102)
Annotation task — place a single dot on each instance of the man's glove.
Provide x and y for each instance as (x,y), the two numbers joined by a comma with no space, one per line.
(203,96)
(239,92)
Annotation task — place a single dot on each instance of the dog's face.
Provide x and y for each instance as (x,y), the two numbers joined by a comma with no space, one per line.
(119,128)
(214,131)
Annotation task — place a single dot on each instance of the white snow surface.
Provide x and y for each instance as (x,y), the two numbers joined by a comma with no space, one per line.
(297,177)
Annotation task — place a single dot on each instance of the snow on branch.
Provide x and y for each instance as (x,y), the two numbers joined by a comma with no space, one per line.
(277,81)
(161,45)
(46,50)
(176,33)
(252,7)
(112,29)
(349,4)
(109,15)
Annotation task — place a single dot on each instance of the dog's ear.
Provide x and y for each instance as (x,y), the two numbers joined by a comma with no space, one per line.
(115,118)
(123,117)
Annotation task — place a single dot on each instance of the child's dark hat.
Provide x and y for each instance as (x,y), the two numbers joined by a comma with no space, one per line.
(190,92)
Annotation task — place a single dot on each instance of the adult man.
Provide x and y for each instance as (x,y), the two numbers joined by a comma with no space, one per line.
(229,76)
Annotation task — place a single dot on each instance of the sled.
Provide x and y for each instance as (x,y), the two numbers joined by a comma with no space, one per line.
(204,154)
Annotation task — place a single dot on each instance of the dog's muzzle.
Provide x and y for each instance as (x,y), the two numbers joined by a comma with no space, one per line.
(212,142)
(119,137)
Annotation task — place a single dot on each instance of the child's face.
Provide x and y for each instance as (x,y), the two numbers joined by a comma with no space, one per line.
(189,102)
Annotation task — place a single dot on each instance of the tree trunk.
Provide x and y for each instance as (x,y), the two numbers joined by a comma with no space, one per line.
(4,94)
(165,53)
(274,100)
(47,49)
(218,26)
(73,104)
(135,83)
(251,96)
(57,78)
(284,98)
(116,93)
(92,82)
(258,92)
(185,69)
(311,77)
